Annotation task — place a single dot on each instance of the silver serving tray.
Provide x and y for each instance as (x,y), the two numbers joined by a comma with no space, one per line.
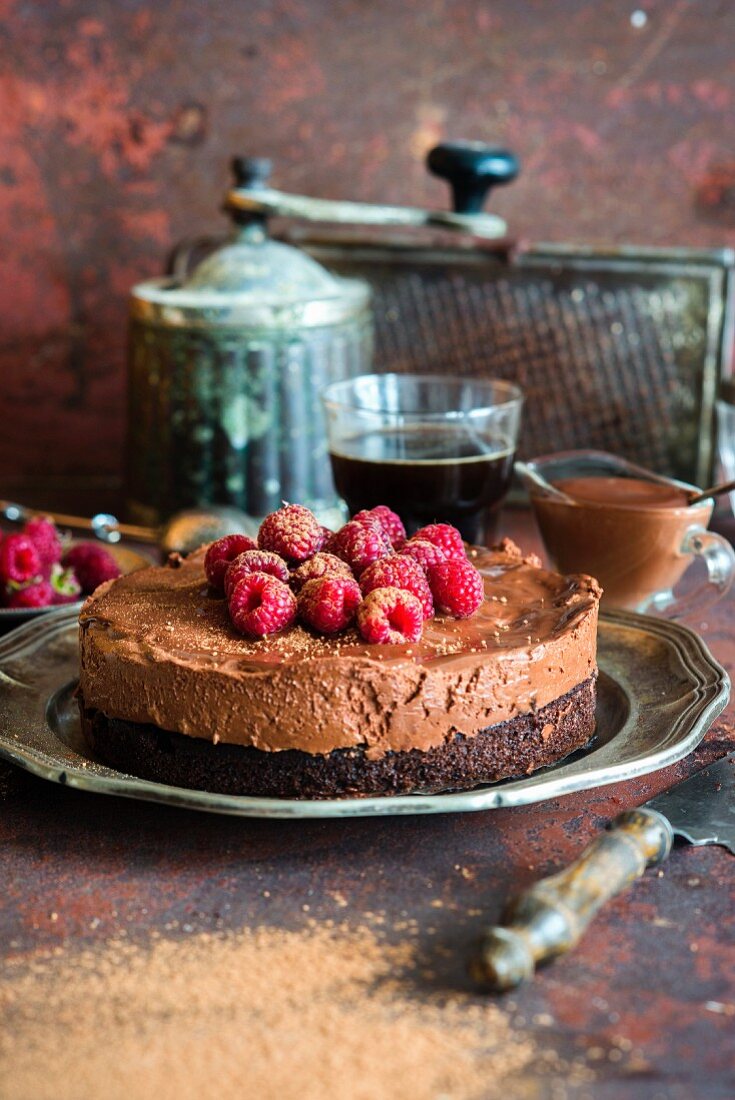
(659,691)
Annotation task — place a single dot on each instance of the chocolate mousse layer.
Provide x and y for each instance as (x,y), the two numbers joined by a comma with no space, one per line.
(158,649)
(518,746)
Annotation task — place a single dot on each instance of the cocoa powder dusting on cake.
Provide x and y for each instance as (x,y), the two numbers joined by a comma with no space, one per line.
(158,648)
(270,1014)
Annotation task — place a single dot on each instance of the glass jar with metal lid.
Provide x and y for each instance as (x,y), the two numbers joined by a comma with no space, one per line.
(225,371)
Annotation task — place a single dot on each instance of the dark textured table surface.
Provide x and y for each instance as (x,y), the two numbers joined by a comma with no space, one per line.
(646,1002)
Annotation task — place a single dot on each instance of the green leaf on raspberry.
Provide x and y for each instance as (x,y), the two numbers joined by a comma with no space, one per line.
(64,581)
(18,586)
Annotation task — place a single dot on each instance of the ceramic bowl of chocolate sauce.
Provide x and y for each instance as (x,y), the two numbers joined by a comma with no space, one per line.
(632,529)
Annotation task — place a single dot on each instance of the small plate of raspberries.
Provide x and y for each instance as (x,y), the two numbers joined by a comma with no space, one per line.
(368,575)
(41,568)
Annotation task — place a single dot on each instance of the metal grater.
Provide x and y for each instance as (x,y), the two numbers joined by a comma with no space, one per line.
(620,350)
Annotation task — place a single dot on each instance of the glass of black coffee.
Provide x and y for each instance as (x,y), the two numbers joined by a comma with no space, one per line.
(432,447)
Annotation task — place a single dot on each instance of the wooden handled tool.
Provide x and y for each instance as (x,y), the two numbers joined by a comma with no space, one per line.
(551,916)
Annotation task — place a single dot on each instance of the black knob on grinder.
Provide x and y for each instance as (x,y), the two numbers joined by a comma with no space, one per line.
(251,171)
(471,169)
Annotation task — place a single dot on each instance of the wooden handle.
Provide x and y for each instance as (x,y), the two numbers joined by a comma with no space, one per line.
(551,916)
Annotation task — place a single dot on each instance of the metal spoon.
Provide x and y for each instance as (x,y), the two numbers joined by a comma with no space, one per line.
(715,491)
(531,478)
(183,532)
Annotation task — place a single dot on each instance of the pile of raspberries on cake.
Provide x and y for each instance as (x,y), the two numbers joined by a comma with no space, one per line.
(39,569)
(367,574)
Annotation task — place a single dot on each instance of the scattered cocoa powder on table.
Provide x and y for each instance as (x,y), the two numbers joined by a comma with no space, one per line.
(266,1014)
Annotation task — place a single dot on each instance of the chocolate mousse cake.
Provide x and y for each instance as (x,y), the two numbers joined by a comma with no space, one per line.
(169,691)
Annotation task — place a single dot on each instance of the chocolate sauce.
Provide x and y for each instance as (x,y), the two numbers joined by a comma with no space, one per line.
(626,532)
(427,474)
(627,492)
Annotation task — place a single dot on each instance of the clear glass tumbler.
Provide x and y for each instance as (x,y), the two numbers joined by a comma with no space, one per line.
(434,448)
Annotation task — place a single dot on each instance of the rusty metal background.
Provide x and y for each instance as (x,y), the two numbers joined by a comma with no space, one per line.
(119,118)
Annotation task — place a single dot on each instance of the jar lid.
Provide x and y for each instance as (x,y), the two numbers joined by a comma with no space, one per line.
(254,268)
(252,281)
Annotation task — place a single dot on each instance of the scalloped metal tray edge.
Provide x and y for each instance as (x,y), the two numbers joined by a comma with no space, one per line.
(672,686)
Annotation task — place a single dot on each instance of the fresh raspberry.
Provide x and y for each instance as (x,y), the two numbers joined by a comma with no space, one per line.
(321,565)
(42,532)
(395,571)
(92,565)
(388,520)
(444,536)
(329,543)
(360,544)
(40,594)
(390,615)
(221,553)
(293,532)
(20,560)
(426,553)
(457,587)
(261,604)
(64,584)
(254,561)
(367,518)
(329,603)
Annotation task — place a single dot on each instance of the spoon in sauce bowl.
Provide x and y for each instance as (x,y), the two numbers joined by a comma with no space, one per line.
(715,491)
(546,488)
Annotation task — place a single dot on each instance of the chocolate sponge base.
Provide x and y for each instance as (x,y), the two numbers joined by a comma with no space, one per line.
(512,748)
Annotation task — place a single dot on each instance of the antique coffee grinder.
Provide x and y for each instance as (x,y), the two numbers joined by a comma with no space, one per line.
(228,357)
